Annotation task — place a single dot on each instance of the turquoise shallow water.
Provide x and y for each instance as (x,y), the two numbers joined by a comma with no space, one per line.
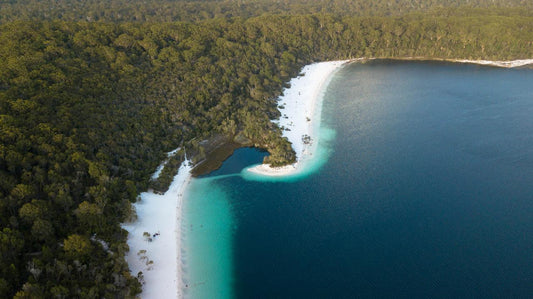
(423,190)
(321,156)
(207,247)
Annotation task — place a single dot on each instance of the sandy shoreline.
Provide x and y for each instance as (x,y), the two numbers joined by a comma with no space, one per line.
(300,102)
(300,108)
(505,64)
(496,63)
(155,254)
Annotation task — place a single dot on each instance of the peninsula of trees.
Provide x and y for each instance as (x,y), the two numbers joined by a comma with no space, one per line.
(93,93)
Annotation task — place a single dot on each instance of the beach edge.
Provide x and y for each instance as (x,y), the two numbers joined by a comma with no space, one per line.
(158,255)
(305,94)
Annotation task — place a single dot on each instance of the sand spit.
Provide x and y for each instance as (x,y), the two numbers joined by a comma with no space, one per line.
(300,108)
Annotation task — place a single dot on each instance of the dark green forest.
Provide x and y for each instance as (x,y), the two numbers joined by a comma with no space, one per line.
(195,10)
(93,93)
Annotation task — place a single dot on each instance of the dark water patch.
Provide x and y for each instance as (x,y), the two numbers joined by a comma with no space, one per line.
(427,193)
(234,162)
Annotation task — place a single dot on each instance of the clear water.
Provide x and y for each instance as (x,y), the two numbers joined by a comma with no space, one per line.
(309,166)
(426,193)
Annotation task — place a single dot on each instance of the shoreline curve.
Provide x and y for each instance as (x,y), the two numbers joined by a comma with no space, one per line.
(301,108)
(160,260)
(304,94)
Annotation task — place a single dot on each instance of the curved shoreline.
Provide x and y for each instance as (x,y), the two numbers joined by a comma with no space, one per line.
(304,94)
(301,107)
(163,213)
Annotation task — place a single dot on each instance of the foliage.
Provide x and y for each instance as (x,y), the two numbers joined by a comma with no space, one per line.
(161,183)
(155,11)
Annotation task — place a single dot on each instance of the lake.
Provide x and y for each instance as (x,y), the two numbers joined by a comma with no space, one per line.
(427,192)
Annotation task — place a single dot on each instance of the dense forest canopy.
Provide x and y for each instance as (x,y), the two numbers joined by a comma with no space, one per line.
(93,93)
(193,10)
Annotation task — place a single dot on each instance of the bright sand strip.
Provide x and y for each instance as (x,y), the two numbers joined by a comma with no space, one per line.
(301,107)
(157,256)
(508,64)
(497,63)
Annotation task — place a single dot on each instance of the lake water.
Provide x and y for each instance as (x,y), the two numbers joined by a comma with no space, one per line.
(427,193)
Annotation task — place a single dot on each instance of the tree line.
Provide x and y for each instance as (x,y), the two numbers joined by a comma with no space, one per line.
(156,11)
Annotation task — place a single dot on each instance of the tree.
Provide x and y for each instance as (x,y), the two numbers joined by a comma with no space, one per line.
(89,214)
(77,247)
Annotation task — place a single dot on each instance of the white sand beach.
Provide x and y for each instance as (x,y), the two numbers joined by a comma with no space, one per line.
(154,238)
(496,63)
(300,108)
(303,99)
(507,64)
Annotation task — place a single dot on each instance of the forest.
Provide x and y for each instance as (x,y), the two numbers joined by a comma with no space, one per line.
(196,10)
(94,93)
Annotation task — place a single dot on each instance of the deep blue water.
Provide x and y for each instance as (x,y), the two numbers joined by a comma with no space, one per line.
(428,192)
